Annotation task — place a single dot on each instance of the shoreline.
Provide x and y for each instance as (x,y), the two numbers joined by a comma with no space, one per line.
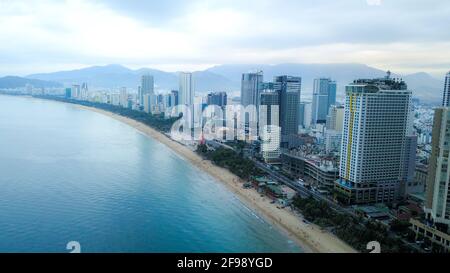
(308,237)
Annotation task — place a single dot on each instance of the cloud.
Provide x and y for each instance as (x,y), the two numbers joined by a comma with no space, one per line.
(405,35)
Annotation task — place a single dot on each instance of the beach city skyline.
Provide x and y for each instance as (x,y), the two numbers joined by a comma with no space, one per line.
(213,135)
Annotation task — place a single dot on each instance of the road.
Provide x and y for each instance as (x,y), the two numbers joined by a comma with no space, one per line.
(304,192)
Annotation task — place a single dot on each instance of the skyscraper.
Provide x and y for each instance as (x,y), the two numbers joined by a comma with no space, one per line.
(377,118)
(173,98)
(436,225)
(186,89)
(123,97)
(250,88)
(437,204)
(289,89)
(324,95)
(446,97)
(147,87)
(84,91)
(305,111)
(217,98)
(270,150)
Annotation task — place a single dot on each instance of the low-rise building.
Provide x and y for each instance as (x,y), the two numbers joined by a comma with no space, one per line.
(436,236)
(321,170)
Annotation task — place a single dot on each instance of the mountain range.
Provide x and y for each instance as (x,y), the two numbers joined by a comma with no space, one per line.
(227,77)
(11,82)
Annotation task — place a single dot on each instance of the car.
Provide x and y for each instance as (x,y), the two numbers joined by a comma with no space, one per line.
(301,182)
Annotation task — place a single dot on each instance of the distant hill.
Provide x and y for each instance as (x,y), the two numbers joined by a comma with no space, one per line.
(227,77)
(18,82)
(114,76)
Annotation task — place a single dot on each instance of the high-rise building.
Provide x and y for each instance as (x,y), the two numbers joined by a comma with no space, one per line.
(186,89)
(289,89)
(250,88)
(270,150)
(115,99)
(334,125)
(217,98)
(407,183)
(373,157)
(446,97)
(335,118)
(84,93)
(68,93)
(76,91)
(140,98)
(305,110)
(174,98)
(149,103)
(436,225)
(437,204)
(123,97)
(324,95)
(167,101)
(147,87)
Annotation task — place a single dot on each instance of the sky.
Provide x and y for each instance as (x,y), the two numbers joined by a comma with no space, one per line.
(405,36)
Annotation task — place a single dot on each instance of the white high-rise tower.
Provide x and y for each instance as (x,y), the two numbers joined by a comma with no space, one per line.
(186,89)
(375,141)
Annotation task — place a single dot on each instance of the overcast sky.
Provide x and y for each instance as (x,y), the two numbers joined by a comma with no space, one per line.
(405,36)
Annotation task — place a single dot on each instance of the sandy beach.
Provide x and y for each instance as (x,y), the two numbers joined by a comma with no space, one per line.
(308,236)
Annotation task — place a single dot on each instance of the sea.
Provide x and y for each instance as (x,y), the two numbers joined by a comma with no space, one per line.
(72,175)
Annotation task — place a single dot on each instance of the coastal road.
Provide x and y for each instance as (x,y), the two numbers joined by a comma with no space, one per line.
(304,192)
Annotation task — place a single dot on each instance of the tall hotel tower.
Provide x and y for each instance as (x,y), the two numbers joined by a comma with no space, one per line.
(376,141)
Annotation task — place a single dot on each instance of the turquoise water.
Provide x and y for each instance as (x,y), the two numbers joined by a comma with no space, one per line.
(68,174)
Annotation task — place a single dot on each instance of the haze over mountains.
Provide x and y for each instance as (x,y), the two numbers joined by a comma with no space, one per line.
(17,82)
(227,78)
